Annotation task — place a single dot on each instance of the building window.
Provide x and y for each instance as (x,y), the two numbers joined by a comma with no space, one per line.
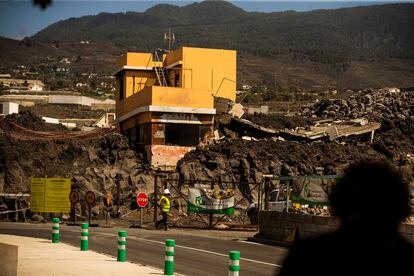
(177,80)
(121,87)
(182,134)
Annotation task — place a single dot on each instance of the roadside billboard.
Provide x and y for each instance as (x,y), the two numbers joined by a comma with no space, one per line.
(313,190)
(206,201)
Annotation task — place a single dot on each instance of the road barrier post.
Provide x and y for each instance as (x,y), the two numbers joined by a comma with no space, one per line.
(55,230)
(169,257)
(84,237)
(121,246)
(234,263)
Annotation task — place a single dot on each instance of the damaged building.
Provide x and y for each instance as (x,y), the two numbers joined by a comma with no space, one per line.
(165,100)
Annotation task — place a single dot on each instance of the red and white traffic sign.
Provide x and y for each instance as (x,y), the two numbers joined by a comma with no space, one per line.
(142,200)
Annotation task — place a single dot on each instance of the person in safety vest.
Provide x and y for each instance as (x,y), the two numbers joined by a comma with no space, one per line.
(165,206)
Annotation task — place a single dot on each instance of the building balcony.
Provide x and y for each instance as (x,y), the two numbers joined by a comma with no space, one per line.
(166,99)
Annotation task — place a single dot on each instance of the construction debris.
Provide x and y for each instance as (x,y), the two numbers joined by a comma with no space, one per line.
(333,129)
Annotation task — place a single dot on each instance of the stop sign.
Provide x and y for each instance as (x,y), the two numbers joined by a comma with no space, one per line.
(142,200)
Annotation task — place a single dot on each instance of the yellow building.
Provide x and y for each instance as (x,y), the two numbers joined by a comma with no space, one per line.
(165,102)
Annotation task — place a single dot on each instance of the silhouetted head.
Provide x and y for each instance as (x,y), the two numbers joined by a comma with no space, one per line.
(371,193)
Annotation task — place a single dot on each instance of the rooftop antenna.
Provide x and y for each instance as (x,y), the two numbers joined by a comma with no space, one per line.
(170,37)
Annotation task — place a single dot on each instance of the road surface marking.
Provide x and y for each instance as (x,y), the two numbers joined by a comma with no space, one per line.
(255,243)
(207,251)
(186,247)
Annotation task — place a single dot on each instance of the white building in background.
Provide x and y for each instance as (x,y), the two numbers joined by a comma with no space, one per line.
(7,108)
(106,120)
(57,121)
(393,90)
(82,100)
(50,120)
(36,87)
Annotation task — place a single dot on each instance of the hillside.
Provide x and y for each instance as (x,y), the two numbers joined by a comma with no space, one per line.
(360,33)
(345,48)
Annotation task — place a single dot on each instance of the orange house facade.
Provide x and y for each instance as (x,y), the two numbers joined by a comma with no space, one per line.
(165,101)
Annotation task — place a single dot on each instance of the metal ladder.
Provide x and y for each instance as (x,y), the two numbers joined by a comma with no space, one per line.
(160,71)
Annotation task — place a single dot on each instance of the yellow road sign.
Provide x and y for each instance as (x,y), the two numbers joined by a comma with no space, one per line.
(90,197)
(37,195)
(74,197)
(108,199)
(50,195)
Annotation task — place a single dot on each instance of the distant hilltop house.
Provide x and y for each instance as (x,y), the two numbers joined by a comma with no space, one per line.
(393,90)
(62,69)
(5,76)
(84,42)
(36,87)
(165,102)
(81,84)
(65,60)
(246,86)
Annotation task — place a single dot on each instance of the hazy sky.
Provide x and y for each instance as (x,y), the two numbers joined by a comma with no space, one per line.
(19,18)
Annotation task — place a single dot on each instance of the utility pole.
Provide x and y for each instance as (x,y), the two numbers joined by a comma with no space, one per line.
(155,197)
(170,37)
(118,180)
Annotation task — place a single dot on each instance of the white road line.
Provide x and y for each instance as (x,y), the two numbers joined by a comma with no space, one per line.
(207,251)
(192,248)
(255,243)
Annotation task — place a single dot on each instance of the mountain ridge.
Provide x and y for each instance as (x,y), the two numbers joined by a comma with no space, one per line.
(358,33)
(356,47)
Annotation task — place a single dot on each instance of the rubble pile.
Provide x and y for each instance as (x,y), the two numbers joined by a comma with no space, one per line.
(246,160)
(239,161)
(92,164)
(29,120)
(98,163)
(372,104)
(394,110)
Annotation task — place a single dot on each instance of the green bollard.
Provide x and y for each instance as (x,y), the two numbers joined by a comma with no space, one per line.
(55,230)
(169,257)
(121,246)
(84,237)
(234,263)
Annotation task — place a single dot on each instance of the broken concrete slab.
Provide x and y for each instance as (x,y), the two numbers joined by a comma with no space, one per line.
(332,129)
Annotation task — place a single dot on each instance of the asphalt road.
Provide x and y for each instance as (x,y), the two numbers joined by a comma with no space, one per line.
(195,254)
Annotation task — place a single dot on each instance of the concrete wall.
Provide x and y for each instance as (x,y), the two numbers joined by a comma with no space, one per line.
(210,69)
(74,99)
(135,59)
(8,259)
(277,226)
(51,120)
(165,157)
(165,96)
